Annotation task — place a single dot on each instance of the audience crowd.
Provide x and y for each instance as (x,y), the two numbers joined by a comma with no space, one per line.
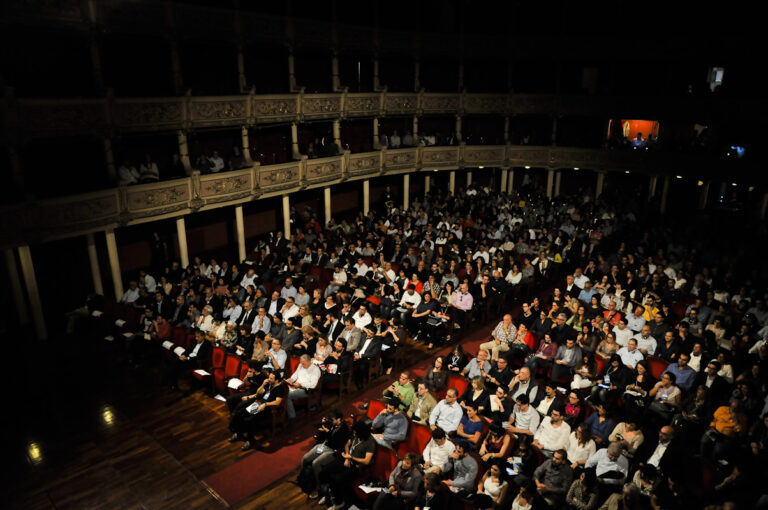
(623,370)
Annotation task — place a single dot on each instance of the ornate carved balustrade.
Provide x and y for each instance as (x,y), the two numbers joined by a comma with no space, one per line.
(50,219)
(44,117)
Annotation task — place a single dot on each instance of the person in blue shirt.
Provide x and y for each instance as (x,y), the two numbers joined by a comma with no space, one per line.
(601,425)
(684,374)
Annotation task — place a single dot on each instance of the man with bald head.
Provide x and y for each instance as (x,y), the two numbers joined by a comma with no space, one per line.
(611,466)
(501,337)
(664,453)
(522,384)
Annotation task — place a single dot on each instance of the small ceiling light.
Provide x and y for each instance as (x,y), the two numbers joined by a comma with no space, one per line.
(527,167)
(733,184)
(626,171)
(481,167)
(576,168)
(679,176)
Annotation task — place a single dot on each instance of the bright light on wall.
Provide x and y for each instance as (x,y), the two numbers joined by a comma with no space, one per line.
(700,183)
(734,184)
(679,176)
(527,167)
(34,452)
(626,171)
(576,168)
(481,167)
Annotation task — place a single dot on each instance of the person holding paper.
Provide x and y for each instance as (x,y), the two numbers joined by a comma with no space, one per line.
(305,378)
(190,359)
(247,419)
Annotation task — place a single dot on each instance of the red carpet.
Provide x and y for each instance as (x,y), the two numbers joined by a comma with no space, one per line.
(263,468)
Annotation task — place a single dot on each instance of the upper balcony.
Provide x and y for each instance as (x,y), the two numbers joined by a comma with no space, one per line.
(105,116)
(40,221)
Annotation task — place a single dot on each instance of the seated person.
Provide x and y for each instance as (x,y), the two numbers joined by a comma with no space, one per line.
(447,413)
(475,394)
(305,378)
(478,366)
(463,468)
(553,433)
(251,385)
(332,435)
(437,452)
(499,375)
(553,478)
(525,419)
(499,406)
(471,427)
(496,443)
(422,405)
(190,359)
(493,488)
(404,485)
(248,419)
(402,389)
(392,423)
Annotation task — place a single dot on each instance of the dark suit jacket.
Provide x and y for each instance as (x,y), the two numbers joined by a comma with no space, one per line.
(166,308)
(671,458)
(374,349)
(202,353)
(719,391)
(247,317)
(337,327)
(280,303)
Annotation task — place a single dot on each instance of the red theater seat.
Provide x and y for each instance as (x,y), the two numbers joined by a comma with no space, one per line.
(222,375)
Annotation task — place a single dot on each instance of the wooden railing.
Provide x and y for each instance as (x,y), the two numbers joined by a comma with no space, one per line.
(38,221)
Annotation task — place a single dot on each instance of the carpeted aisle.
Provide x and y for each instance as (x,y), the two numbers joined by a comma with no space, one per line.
(263,468)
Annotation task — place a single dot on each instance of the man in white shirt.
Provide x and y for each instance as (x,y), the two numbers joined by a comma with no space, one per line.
(147,282)
(410,300)
(288,290)
(360,268)
(579,278)
(437,451)
(622,332)
(289,310)
(339,279)
(447,413)
(611,467)
(645,342)
(362,318)
(127,174)
(205,322)
(131,294)
(630,355)
(217,163)
(525,419)
(305,378)
(636,321)
(553,433)
(394,140)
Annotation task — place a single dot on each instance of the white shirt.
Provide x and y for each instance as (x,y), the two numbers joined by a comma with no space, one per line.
(622,335)
(630,358)
(293,311)
(658,453)
(307,378)
(130,295)
(217,164)
(361,322)
(551,437)
(340,277)
(648,343)
(438,455)
(445,416)
(413,300)
(205,323)
(361,269)
(150,284)
(577,452)
(580,280)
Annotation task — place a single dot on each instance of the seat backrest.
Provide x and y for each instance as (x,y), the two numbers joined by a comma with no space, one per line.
(458,382)
(657,366)
(217,357)
(599,366)
(293,365)
(384,461)
(243,371)
(374,408)
(232,366)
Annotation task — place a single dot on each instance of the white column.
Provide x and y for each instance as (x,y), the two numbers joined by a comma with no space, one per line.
(327,200)
(181,232)
(93,258)
(469,178)
(550,182)
(664,193)
(427,183)
(452,182)
(30,281)
(295,141)
(704,195)
(511,181)
(458,128)
(109,157)
(286,217)
(558,177)
(406,190)
(240,228)
(337,134)
(375,133)
(114,264)
(652,187)
(415,129)
(503,186)
(599,184)
(764,206)
(18,293)
(366,196)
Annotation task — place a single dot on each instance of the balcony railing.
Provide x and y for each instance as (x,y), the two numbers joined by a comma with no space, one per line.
(65,217)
